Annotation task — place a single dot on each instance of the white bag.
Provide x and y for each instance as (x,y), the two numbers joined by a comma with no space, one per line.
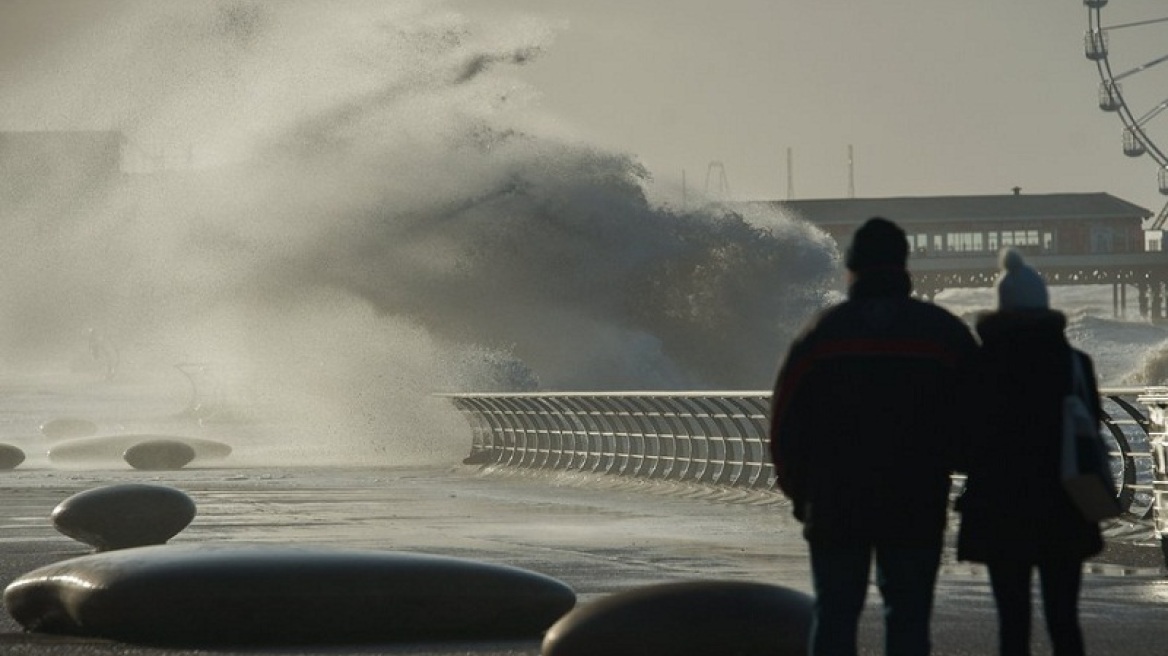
(1086,467)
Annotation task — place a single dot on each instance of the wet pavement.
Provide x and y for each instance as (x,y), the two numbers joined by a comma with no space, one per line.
(598,534)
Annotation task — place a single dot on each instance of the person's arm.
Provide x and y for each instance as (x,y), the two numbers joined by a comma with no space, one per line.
(786,439)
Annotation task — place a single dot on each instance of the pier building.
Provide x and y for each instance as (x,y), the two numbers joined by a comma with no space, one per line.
(1071,238)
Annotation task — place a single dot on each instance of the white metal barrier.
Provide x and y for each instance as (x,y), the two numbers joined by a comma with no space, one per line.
(721,438)
(1156,400)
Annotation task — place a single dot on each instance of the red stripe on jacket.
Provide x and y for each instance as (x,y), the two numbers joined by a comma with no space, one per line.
(852,347)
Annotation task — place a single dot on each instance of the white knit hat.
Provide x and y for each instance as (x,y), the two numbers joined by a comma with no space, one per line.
(1019,285)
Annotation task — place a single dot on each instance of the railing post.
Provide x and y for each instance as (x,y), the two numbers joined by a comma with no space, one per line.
(1156,400)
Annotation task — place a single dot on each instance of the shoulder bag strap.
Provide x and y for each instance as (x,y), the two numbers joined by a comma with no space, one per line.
(1078,379)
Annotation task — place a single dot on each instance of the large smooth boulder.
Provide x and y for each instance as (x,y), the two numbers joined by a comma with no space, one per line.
(160,454)
(124,515)
(696,618)
(207,595)
(68,427)
(10,456)
(104,449)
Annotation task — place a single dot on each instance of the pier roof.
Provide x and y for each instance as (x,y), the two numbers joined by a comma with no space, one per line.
(961,209)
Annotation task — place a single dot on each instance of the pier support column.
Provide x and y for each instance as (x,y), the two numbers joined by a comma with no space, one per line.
(1143,292)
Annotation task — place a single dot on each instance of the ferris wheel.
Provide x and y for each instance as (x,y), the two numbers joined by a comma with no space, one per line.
(1128,49)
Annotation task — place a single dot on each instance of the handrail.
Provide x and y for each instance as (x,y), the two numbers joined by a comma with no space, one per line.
(1155,399)
(715,437)
(721,438)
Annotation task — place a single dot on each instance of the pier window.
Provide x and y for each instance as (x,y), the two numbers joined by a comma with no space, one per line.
(1019,238)
(918,243)
(965,242)
(980,242)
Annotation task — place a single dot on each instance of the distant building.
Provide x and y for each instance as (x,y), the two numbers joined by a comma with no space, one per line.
(1072,239)
(947,226)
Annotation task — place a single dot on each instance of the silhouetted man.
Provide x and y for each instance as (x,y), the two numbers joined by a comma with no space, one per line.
(859,443)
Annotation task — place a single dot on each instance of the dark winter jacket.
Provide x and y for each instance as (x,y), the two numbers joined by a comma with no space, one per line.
(860,434)
(1014,506)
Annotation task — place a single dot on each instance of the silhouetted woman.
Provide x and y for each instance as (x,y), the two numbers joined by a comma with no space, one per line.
(1015,516)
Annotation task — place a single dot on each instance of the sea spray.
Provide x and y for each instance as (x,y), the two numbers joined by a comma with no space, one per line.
(341,208)
(1127,351)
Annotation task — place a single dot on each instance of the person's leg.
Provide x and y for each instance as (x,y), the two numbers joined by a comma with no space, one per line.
(1061,578)
(840,577)
(1010,582)
(907,577)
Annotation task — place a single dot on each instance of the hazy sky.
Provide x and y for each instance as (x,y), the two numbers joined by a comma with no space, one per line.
(935,96)
(388,117)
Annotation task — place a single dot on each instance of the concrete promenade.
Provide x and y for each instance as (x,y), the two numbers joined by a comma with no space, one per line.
(598,535)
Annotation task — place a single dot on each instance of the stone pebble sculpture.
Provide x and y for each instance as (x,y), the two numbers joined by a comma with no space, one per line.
(65,428)
(136,589)
(218,595)
(159,455)
(124,515)
(10,456)
(76,442)
(141,451)
(689,618)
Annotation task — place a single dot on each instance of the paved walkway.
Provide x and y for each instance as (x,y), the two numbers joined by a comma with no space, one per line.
(599,536)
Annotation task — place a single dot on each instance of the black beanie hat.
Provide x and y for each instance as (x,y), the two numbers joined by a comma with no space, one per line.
(878,244)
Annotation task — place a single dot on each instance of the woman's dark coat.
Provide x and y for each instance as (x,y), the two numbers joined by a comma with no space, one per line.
(1014,506)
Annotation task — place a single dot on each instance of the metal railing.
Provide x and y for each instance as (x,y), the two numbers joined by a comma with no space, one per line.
(721,437)
(1155,399)
(708,437)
